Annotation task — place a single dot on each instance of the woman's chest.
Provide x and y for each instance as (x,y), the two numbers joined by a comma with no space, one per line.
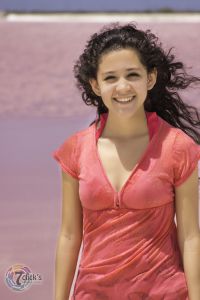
(134,176)
(119,158)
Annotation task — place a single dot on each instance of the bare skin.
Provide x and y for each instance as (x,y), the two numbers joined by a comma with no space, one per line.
(119,157)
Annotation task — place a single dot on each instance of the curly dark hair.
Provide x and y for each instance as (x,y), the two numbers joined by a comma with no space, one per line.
(163,98)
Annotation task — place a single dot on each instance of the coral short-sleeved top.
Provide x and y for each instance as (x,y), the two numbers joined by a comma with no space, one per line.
(130,249)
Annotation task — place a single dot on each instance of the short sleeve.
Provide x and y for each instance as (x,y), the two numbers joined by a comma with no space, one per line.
(66,155)
(186,154)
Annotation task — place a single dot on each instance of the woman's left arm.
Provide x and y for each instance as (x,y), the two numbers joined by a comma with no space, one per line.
(187,211)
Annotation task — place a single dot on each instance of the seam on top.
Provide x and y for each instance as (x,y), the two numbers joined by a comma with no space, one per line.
(74,155)
(76,146)
(173,154)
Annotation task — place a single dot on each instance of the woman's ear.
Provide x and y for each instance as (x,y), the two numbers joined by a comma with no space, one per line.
(95,86)
(151,79)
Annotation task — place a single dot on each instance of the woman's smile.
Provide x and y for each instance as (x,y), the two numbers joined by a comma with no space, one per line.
(125,100)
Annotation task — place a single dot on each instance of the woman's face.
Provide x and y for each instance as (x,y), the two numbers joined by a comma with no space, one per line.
(122,81)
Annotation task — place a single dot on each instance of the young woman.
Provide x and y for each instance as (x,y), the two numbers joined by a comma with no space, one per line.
(128,175)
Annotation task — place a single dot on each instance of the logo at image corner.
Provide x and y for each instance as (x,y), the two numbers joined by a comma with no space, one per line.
(18,277)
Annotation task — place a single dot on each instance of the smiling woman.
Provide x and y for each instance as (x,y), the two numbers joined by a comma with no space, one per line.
(125,91)
(128,174)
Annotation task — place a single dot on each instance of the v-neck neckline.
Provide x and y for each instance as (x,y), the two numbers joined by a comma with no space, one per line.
(154,126)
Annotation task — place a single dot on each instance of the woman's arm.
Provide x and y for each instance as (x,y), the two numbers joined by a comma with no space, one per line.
(188,231)
(69,239)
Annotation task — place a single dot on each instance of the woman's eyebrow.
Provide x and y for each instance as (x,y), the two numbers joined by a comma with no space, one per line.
(129,69)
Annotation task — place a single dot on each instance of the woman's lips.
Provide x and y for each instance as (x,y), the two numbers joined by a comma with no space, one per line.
(124,100)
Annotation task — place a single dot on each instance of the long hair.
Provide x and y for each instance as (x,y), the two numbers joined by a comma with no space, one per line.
(163,98)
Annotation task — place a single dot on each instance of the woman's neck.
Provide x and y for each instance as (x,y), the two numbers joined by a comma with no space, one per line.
(123,128)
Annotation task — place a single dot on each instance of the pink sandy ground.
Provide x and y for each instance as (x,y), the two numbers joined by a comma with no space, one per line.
(39,108)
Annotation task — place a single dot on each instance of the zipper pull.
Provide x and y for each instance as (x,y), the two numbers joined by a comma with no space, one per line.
(117,203)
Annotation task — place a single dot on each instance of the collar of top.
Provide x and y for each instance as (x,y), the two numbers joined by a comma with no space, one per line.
(151,118)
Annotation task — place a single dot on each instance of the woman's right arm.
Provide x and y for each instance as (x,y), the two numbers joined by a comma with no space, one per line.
(69,238)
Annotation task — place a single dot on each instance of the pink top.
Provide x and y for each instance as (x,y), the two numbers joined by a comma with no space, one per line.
(130,248)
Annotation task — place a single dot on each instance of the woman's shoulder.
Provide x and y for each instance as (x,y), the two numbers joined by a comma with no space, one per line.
(68,153)
(176,135)
(79,136)
(83,133)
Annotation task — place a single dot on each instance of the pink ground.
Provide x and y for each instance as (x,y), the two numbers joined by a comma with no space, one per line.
(39,108)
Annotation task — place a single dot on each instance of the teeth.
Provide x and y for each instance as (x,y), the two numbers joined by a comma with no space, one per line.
(123,100)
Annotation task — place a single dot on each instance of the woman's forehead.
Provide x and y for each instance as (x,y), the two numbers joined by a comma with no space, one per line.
(117,59)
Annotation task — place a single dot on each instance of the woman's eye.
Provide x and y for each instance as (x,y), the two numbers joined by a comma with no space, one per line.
(133,75)
(109,77)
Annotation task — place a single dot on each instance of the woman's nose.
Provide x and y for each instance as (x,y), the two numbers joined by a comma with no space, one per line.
(123,85)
